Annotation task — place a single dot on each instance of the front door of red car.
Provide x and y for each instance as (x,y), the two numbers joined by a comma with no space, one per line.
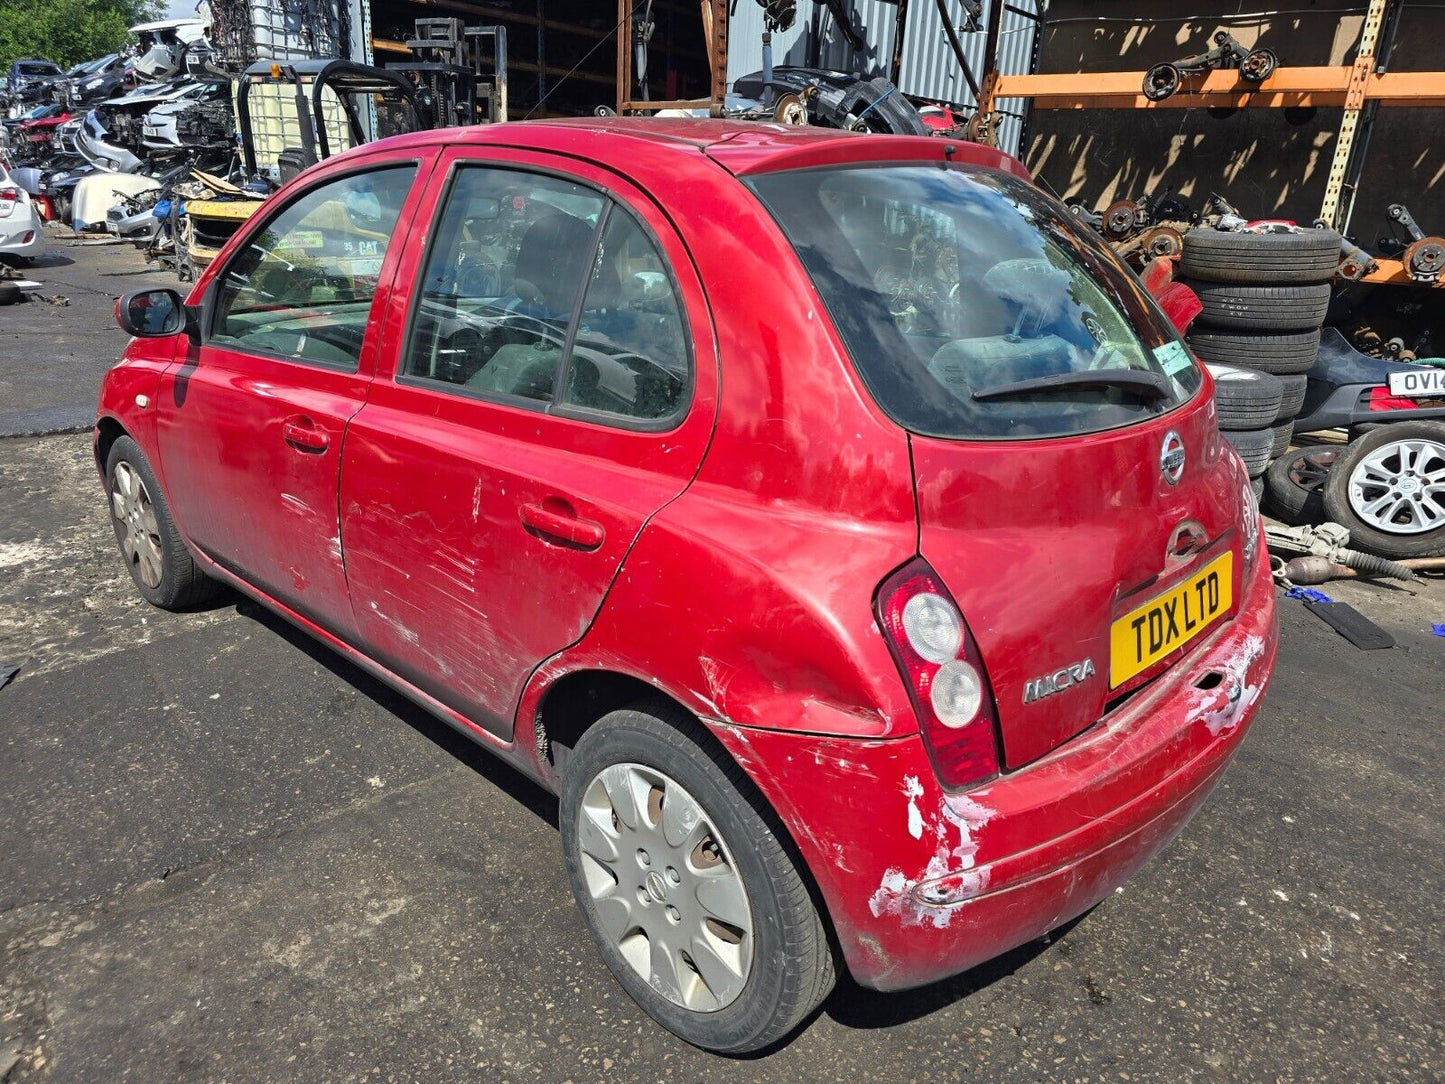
(250,425)
(554,387)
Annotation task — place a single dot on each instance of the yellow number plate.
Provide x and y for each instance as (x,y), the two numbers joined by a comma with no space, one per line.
(1167,622)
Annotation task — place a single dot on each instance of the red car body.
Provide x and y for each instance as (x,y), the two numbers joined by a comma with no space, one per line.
(516,571)
(42,129)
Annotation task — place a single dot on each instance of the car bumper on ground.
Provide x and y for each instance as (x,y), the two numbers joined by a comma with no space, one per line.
(921,884)
(21,234)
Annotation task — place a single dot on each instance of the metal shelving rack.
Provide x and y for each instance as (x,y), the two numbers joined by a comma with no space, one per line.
(1359,89)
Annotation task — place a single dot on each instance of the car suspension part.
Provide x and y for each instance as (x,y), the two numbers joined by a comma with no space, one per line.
(1254,66)
(1423,257)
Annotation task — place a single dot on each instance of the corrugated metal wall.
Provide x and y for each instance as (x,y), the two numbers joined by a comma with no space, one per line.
(929,69)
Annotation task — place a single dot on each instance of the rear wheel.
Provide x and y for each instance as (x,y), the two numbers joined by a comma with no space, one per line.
(692,898)
(1388,488)
(154,553)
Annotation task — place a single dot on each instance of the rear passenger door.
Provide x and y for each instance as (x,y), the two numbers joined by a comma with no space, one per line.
(554,385)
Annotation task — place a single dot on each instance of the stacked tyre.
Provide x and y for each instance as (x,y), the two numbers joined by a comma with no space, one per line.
(1265,296)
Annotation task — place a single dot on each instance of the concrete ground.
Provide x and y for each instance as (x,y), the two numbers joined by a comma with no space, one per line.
(53,356)
(230,856)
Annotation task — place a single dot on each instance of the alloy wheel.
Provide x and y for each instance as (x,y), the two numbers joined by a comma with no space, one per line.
(1399,488)
(135,524)
(1310,470)
(664,887)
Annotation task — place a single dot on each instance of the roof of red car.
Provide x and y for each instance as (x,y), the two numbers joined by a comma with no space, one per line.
(740,146)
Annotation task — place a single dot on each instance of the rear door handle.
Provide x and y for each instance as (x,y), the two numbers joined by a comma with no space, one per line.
(560,523)
(301,432)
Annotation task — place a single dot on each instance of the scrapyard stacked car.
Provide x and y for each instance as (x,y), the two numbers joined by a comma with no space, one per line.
(889,628)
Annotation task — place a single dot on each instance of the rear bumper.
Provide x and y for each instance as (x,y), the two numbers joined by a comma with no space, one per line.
(22,235)
(921,884)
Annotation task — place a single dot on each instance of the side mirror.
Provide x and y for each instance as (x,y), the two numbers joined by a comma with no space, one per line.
(154,314)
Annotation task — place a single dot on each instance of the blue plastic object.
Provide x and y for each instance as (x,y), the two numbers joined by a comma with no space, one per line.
(1309,594)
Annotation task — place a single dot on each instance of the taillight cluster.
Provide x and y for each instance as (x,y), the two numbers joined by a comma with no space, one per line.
(8,200)
(943,670)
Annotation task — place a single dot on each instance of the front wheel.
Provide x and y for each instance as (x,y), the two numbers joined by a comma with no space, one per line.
(692,898)
(154,553)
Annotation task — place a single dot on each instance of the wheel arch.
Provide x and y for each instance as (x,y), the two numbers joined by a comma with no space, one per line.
(107,431)
(574,702)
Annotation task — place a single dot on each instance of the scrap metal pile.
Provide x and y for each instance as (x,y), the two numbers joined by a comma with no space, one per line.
(175,141)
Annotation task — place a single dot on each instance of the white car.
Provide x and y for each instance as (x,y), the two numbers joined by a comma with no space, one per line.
(20,226)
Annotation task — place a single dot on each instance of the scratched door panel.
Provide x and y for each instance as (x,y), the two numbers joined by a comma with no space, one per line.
(253,498)
(483,529)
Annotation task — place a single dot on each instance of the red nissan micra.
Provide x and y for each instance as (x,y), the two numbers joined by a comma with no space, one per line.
(842,533)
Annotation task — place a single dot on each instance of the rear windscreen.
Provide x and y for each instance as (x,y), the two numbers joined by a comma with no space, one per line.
(973,306)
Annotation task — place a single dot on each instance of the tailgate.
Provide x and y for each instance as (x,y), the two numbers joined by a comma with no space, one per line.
(1047,544)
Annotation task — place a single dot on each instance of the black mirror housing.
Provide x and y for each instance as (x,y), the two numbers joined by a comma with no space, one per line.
(155,314)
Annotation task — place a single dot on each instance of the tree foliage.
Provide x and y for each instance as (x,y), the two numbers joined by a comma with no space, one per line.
(68,31)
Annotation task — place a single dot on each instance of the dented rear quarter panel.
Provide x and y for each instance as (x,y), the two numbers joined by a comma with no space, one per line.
(750,596)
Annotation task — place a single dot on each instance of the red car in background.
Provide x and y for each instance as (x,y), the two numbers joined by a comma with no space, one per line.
(840,531)
(40,127)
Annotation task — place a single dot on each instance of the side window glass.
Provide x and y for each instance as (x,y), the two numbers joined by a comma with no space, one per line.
(303,286)
(501,283)
(630,356)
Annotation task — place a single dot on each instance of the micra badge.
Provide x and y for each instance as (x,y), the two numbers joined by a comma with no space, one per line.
(1071,675)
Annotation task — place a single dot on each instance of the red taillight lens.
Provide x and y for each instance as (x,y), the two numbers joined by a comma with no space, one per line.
(943,670)
(9,195)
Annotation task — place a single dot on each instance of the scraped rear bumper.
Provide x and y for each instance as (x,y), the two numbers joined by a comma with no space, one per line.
(921,884)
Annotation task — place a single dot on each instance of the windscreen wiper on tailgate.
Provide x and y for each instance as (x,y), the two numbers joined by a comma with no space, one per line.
(1145,384)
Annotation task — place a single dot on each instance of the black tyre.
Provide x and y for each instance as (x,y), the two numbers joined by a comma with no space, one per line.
(1253,446)
(1244,399)
(1281,355)
(1294,484)
(157,559)
(1256,485)
(1260,258)
(686,885)
(886,110)
(1293,399)
(1283,434)
(1388,488)
(1262,308)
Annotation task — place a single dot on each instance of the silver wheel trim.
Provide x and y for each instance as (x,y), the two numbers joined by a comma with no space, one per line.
(1399,488)
(664,888)
(135,517)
